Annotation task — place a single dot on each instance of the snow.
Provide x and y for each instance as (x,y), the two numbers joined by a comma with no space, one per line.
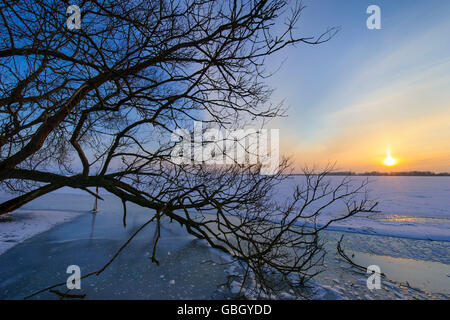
(410,207)
(24,224)
(92,238)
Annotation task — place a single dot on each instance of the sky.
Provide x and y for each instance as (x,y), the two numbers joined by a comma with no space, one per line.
(368,92)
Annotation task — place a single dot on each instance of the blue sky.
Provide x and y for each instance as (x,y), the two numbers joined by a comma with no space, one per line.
(367,92)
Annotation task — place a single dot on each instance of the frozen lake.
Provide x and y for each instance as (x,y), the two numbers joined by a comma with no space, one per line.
(410,207)
(89,241)
(413,210)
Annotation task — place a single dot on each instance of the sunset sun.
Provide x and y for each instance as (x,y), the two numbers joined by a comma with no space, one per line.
(389,161)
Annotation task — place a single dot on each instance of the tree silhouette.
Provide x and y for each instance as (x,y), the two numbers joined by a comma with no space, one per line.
(94,107)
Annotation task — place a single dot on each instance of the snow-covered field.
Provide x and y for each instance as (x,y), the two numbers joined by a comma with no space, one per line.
(410,207)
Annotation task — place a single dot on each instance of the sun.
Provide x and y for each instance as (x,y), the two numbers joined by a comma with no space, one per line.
(389,161)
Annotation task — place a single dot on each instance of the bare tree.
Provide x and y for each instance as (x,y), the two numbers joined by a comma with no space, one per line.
(93,108)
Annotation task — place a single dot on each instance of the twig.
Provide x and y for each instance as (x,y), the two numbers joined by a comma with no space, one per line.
(68,295)
(350,261)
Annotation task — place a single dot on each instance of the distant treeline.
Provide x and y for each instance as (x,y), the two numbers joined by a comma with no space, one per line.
(405,173)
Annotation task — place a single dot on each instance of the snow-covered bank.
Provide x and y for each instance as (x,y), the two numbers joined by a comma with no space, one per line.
(394,226)
(24,224)
(41,215)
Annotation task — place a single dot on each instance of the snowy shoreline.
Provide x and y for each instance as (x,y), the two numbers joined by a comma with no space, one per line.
(24,224)
(412,232)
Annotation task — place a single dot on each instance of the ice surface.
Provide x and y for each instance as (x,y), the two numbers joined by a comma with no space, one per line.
(413,208)
(90,240)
